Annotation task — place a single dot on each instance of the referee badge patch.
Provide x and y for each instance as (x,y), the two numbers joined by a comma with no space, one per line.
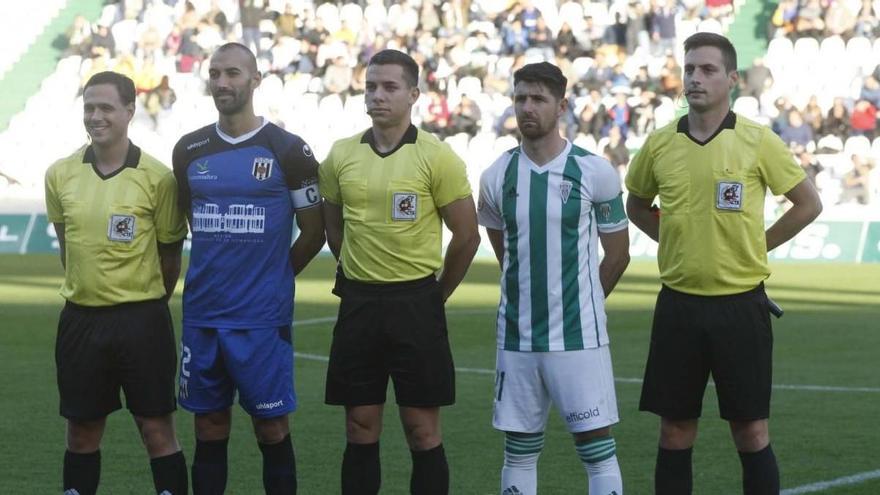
(729,196)
(262,168)
(404,206)
(121,228)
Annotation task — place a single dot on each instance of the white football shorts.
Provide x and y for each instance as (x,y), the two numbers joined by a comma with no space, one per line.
(579,383)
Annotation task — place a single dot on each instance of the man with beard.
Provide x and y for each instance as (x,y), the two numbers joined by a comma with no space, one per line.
(242,182)
(120,234)
(546,206)
(387,191)
(711,169)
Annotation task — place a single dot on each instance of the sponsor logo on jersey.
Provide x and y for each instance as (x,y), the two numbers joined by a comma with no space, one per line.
(577,416)
(270,405)
(565,190)
(202,172)
(404,206)
(198,144)
(262,168)
(729,196)
(121,228)
(238,219)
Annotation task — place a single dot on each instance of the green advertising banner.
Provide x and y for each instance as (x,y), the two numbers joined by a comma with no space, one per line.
(871,244)
(822,241)
(14,233)
(850,242)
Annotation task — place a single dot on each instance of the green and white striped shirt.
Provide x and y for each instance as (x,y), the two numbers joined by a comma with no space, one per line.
(551,217)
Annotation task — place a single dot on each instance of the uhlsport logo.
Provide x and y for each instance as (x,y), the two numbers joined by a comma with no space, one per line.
(198,144)
(577,416)
(270,405)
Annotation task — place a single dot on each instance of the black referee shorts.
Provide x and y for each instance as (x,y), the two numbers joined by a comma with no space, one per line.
(395,330)
(728,336)
(99,350)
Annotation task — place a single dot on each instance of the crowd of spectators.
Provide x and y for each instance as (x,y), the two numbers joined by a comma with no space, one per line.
(621,57)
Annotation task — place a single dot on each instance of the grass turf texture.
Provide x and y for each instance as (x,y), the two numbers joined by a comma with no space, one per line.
(829,336)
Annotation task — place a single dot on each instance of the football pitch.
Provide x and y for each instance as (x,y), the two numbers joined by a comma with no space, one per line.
(826,399)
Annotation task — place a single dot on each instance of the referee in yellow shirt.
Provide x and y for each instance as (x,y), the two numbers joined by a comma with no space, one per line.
(120,231)
(711,170)
(387,193)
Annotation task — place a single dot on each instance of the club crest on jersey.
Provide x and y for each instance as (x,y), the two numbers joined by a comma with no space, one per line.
(565,190)
(262,168)
(729,196)
(605,212)
(404,206)
(121,228)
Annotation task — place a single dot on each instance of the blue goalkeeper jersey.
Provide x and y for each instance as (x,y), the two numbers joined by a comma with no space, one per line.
(241,195)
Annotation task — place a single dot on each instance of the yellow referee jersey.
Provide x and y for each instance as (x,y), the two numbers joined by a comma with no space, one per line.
(712,201)
(390,203)
(112,225)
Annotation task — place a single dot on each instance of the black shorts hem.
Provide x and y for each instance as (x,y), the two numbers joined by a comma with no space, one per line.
(154,413)
(675,416)
(352,403)
(73,416)
(427,405)
(745,417)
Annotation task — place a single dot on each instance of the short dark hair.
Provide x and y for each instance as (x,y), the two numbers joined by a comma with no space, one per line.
(728,52)
(123,84)
(251,59)
(396,57)
(543,73)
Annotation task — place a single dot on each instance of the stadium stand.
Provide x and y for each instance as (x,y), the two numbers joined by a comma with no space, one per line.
(622,58)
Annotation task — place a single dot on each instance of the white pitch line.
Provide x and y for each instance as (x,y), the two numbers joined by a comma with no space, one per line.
(824,485)
(485,371)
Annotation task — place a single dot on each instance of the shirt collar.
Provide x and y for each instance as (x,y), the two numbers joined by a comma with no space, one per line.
(684,127)
(132,157)
(409,137)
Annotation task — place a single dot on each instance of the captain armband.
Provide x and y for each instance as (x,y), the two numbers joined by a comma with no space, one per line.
(306,197)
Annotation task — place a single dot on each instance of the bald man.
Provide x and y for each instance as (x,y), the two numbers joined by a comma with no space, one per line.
(242,182)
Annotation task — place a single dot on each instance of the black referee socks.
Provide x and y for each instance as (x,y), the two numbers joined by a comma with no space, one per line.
(760,472)
(673,474)
(279,467)
(361,470)
(209,468)
(169,474)
(430,472)
(82,472)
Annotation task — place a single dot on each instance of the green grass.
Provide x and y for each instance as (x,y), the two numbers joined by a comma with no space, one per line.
(829,336)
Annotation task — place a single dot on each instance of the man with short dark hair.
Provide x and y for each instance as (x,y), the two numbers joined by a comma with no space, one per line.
(546,206)
(711,169)
(388,190)
(120,233)
(243,181)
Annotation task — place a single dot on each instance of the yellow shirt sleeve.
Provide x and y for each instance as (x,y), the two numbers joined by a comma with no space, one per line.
(640,179)
(449,180)
(53,202)
(167,217)
(777,166)
(328,182)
